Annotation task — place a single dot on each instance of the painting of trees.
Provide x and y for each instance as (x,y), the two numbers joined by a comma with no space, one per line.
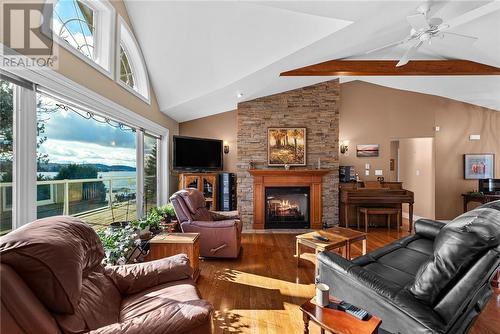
(286,146)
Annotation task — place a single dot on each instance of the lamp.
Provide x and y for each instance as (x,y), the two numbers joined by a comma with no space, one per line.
(226,147)
(344,146)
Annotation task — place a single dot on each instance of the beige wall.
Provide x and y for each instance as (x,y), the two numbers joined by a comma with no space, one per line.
(417,172)
(372,114)
(221,126)
(457,121)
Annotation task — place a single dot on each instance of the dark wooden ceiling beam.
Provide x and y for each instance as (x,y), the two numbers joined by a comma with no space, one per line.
(388,68)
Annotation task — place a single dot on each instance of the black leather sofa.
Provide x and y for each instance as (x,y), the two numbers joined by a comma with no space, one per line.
(434,281)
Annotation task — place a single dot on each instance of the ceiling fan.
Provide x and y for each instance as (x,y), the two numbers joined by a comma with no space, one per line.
(425,29)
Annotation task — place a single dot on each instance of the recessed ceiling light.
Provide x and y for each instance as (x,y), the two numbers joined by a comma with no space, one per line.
(239,95)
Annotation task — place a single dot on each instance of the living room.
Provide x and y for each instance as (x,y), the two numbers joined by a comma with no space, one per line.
(331,168)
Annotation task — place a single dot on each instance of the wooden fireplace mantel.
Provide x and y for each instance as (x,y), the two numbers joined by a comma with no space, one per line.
(311,178)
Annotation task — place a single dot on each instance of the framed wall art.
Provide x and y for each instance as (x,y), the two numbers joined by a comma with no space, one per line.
(286,146)
(479,166)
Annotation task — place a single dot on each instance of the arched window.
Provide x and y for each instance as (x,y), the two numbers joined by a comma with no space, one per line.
(126,74)
(131,68)
(86,28)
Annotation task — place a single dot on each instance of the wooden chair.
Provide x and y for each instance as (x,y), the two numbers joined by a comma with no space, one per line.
(380,211)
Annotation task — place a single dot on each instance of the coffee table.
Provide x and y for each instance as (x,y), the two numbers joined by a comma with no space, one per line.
(307,239)
(337,322)
(351,236)
(338,237)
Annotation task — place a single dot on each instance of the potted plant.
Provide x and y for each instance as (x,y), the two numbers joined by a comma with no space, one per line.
(169,222)
(168,212)
(119,244)
(154,219)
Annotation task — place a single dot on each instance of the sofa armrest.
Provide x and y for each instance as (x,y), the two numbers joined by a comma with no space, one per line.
(215,224)
(428,228)
(132,278)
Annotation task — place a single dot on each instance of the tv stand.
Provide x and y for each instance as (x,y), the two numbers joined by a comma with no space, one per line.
(207,183)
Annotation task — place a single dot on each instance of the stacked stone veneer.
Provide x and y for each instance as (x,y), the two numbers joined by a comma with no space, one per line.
(315,108)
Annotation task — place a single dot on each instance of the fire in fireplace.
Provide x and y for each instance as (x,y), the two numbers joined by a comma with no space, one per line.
(287,207)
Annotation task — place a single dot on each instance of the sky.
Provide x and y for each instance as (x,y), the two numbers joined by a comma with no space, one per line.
(74,139)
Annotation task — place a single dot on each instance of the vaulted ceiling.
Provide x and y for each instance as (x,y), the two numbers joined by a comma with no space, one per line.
(204,57)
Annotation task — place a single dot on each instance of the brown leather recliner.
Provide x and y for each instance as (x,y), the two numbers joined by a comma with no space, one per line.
(220,236)
(52,281)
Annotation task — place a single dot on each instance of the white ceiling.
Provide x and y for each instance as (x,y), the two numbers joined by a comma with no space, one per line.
(200,55)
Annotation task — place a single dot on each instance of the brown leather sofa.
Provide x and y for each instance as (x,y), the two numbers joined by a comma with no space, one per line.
(220,236)
(52,281)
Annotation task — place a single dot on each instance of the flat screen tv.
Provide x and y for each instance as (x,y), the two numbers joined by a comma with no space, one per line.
(197,153)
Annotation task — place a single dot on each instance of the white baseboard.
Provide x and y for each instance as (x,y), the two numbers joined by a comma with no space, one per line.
(415,217)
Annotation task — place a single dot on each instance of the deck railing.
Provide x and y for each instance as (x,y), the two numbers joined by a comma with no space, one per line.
(102,192)
(98,200)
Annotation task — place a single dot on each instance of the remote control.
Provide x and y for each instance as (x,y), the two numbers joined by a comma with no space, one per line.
(353,310)
(321,238)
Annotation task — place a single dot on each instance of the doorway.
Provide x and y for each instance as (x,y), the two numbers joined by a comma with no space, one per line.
(414,166)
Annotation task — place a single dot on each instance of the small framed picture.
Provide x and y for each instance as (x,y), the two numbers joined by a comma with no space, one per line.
(367,150)
(479,166)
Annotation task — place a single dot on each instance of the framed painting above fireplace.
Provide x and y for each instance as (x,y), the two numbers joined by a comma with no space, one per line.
(286,146)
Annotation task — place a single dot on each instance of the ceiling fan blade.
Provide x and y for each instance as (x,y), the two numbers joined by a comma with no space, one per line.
(387,46)
(409,54)
(459,38)
(418,22)
(471,15)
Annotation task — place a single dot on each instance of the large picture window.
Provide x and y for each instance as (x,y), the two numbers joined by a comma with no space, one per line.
(86,165)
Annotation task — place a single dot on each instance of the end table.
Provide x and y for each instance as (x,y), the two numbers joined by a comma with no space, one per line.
(168,244)
(335,321)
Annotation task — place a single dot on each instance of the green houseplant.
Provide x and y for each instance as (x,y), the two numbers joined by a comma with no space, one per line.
(118,244)
(168,212)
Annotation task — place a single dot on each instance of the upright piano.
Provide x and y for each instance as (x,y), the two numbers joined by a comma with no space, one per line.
(390,195)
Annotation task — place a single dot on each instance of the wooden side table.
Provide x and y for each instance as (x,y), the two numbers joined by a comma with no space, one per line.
(168,244)
(337,322)
(478,198)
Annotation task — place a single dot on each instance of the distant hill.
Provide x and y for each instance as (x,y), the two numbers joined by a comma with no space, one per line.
(56,167)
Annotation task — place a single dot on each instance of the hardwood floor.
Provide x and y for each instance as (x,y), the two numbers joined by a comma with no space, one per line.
(262,290)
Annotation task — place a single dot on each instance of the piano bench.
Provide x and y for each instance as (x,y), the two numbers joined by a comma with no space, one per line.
(380,211)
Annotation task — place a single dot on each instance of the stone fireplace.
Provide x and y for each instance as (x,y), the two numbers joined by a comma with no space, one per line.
(314,107)
(286,207)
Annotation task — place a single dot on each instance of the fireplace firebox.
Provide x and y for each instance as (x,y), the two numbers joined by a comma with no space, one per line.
(287,207)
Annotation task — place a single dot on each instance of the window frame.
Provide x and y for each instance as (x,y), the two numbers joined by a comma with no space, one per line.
(104,37)
(125,38)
